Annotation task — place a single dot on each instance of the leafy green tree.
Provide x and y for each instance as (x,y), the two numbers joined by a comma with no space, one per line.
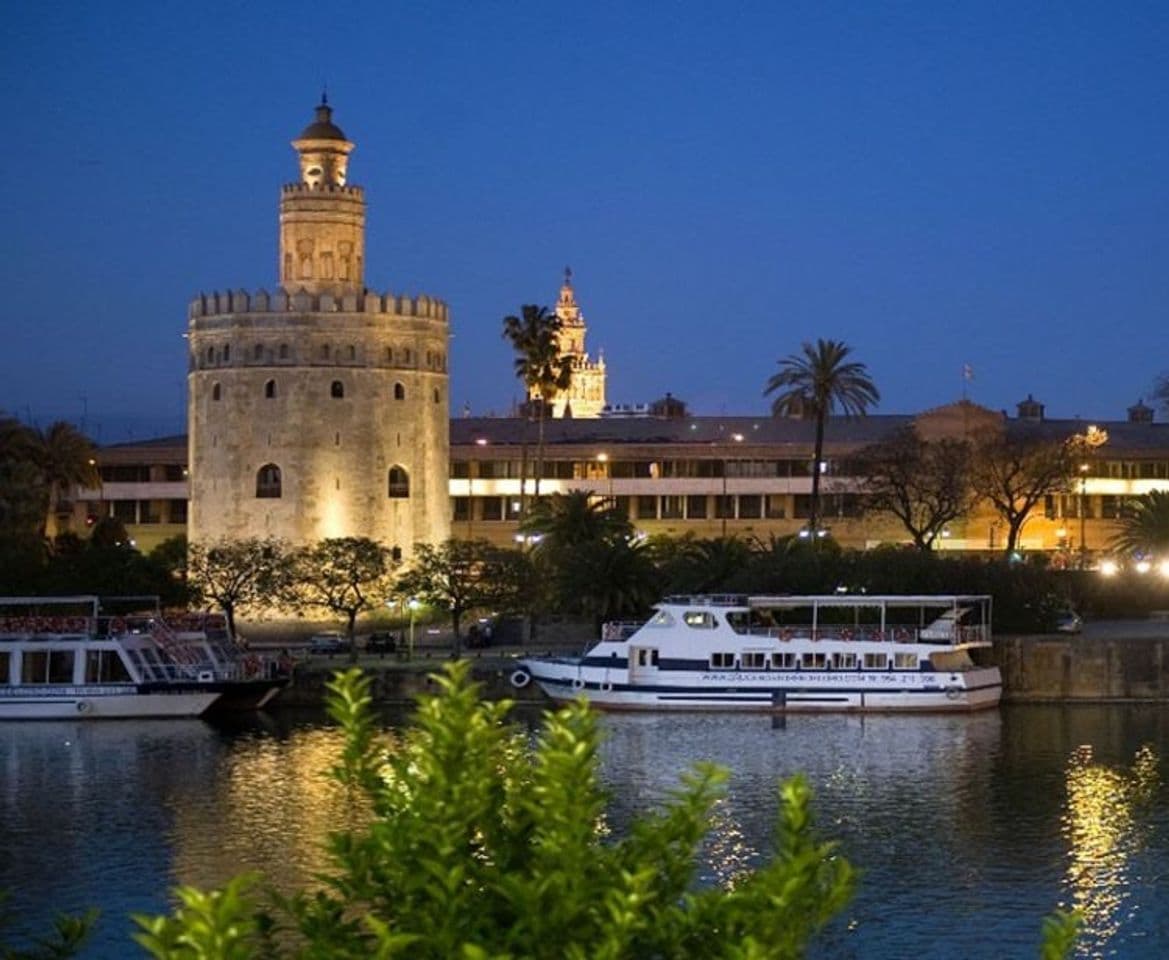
(236,574)
(464,575)
(343,575)
(1144,525)
(483,846)
(923,483)
(541,368)
(814,384)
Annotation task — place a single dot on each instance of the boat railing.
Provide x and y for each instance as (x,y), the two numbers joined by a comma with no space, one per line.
(38,626)
(893,633)
(620,629)
(708,600)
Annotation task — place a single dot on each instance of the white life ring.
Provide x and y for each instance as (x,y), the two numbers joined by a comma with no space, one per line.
(82,706)
(606,687)
(578,684)
(520,679)
(953,693)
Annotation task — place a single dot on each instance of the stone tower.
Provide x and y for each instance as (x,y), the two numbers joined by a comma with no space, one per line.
(586,395)
(319,409)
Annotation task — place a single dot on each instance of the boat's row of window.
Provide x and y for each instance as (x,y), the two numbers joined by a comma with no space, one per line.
(761,660)
(56,666)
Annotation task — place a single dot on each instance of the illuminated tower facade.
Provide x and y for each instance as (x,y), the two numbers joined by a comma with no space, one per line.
(320,409)
(586,395)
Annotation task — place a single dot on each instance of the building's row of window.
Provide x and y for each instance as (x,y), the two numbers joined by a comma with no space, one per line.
(137,511)
(327,353)
(717,467)
(270,482)
(142,473)
(336,391)
(644,469)
(744,506)
(761,660)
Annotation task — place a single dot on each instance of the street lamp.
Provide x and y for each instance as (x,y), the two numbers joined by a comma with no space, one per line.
(472,466)
(412,606)
(1086,443)
(724,504)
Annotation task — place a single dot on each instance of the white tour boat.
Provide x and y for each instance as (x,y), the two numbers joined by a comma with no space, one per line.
(785,653)
(66,657)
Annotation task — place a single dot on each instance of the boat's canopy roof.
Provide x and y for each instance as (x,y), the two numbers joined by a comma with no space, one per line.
(830,600)
(48,601)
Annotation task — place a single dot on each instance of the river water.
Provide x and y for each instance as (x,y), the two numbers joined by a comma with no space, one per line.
(968,830)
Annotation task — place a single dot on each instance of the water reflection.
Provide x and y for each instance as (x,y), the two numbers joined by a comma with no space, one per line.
(968,823)
(1106,827)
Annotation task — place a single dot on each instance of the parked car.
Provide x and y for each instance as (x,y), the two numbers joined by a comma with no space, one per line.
(381,643)
(1068,621)
(327,643)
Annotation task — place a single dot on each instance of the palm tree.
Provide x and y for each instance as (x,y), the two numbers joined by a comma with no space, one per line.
(814,384)
(535,337)
(568,521)
(67,460)
(1144,528)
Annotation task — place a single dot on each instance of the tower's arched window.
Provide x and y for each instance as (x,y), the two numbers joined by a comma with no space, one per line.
(399,483)
(396,553)
(389,354)
(258,352)
(324,351)
(284,351)
(399,392)
(268,481)
(227,353)
(337,390)
(352,352)
(210,354)
(270,389)
(216,391)
(437,396)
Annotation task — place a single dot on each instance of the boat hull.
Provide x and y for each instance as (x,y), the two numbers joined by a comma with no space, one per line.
(773,692)
(102,703)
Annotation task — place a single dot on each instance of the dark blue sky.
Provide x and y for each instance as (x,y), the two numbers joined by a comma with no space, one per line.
(934,183)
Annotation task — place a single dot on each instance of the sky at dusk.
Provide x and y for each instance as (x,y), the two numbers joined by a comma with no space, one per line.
(937,184)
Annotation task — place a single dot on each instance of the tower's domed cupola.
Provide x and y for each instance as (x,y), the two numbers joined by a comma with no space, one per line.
(324,151)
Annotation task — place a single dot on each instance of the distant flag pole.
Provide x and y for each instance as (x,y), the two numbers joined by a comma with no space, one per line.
(967,377)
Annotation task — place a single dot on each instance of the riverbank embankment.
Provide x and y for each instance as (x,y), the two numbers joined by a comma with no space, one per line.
(1117,662)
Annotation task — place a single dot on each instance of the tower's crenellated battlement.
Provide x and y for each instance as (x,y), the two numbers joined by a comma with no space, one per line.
(231,302)
(322,189)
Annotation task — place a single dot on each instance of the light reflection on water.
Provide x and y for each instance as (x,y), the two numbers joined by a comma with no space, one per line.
(967,829)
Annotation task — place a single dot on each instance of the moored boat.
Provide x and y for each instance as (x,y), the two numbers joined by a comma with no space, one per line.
(838,652)
(68,657)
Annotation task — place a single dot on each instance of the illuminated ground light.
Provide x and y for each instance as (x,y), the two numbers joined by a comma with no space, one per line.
(1109,568)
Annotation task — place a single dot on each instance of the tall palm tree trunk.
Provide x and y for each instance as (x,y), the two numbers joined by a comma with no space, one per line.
(818,452)
(540,448)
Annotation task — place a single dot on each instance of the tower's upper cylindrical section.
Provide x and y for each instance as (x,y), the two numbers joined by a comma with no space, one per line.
(322,219)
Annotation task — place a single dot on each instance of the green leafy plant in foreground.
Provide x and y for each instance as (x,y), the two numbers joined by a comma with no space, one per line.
(483,845)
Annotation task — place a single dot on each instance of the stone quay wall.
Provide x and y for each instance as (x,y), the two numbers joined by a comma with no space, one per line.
(1038,669)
